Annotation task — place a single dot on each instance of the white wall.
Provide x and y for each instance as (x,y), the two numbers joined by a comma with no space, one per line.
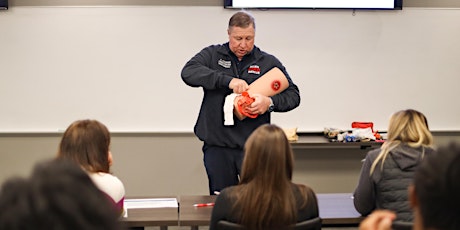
(121,65)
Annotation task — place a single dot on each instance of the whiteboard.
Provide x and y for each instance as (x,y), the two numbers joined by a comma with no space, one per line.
(121,65)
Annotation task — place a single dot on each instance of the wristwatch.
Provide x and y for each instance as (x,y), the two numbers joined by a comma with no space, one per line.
(271,107)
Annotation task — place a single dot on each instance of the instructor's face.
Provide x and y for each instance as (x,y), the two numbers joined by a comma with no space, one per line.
(241,40)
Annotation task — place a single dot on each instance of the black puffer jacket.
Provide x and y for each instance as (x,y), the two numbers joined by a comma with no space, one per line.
(387,188)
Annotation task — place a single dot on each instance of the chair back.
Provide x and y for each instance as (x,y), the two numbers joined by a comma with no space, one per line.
(227,225)
(311,224)
(402,225)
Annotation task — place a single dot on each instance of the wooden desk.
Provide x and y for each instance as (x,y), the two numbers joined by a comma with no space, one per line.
(142,217)
(193,216)
(334,208)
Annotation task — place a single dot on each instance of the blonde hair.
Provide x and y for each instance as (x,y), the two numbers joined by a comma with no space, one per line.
(406,127)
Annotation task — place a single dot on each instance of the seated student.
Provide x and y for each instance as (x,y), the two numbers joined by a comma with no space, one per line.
(266,198)
(58,195)
(387,172)
(434,195)
(87,142)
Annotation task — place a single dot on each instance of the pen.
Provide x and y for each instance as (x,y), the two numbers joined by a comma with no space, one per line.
(204,205)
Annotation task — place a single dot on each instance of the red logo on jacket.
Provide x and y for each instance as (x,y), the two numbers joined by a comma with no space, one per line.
(255,69)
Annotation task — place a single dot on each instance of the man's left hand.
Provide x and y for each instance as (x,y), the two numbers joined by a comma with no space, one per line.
(260,104)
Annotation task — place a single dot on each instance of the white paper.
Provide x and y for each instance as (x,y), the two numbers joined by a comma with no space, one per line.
(151,203)
(148,203)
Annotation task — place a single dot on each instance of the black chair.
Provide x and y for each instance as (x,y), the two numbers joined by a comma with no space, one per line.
(402,225)
(311,224)
(227,225)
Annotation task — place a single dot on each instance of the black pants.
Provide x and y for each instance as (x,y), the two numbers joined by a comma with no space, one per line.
(223,166)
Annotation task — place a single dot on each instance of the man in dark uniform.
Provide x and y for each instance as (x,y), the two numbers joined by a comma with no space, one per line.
(222,70)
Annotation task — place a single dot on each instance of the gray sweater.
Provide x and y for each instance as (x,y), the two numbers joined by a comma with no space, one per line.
(387,188)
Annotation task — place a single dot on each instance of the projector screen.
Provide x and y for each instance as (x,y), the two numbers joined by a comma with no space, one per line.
(315,4)
(3,4)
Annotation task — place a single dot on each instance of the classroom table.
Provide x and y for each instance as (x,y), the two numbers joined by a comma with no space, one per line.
(195,216)
(335,209)
(338,209)
(142,217)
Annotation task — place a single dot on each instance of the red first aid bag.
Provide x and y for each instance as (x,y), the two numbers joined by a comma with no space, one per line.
(362,125)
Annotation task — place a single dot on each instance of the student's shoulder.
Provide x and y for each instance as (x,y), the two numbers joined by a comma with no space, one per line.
(303,189)
(103,176)
(372,154)
(227,191)
(430,150)
(106,179)
(227,194)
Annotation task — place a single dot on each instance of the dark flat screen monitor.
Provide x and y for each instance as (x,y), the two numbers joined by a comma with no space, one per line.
(315,4)
(3,4)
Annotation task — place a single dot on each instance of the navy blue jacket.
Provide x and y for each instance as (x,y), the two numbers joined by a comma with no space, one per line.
(212,69)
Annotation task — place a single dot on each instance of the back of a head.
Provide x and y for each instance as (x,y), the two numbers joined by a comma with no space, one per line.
(437,189)
(59,195)
(268,156)
(411,127)
(87,143)
(264,197)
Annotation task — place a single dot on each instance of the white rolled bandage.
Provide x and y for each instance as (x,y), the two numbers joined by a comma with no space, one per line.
(228,109)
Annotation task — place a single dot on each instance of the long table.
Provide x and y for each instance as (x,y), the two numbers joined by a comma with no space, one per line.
(335,209)
(338,209)
(190,215)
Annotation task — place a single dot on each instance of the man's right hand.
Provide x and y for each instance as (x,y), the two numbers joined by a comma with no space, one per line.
(238,85)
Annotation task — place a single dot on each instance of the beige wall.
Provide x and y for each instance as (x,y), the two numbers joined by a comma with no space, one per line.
(171,164)
(147,164)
